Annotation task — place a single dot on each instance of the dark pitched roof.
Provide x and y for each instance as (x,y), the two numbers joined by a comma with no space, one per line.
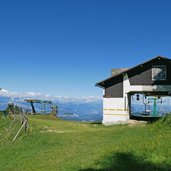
(107,82)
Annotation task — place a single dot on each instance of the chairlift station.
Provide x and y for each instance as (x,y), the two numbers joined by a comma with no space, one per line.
(147,84)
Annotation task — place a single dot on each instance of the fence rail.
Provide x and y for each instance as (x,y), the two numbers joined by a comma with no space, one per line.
(24,125)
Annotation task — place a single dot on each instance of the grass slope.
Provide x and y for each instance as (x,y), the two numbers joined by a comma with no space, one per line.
(57,145)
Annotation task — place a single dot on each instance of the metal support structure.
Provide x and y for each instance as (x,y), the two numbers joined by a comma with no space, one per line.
(43,103)
(150,103)
(155,101)
(33,109)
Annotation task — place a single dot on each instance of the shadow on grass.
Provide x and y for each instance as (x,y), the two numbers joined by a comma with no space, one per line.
(128,162)
(96,123)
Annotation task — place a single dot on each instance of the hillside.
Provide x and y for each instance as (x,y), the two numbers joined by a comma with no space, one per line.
(54,144)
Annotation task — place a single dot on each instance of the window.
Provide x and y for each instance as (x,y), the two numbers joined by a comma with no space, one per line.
(159,72)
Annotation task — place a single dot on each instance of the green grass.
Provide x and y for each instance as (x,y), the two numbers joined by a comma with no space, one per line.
(58,145)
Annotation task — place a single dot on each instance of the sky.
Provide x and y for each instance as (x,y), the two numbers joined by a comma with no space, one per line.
(63,48)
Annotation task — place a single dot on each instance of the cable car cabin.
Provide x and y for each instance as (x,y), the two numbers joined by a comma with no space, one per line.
(141,91)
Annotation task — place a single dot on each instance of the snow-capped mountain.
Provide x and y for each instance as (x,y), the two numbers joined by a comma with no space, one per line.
(75,108)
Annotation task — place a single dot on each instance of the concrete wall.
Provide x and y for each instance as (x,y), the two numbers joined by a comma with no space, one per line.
(114,111)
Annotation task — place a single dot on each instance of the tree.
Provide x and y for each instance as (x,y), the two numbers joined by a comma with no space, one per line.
(13,109)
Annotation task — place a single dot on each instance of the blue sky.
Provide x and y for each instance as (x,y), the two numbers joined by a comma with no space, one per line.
(63,48)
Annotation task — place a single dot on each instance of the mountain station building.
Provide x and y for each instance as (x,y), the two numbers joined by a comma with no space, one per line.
(150,81)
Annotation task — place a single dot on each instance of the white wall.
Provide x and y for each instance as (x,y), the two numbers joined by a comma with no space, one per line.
(114,111)
(113,103)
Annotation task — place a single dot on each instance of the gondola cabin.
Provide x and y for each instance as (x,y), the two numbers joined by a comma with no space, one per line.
(141,91)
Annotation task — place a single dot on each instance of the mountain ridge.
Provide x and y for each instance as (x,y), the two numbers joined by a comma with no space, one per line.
(80,108)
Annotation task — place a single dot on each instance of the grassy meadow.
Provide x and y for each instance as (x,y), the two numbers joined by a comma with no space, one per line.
(57,145)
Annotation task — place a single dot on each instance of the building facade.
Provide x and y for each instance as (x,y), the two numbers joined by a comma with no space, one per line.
(151,78)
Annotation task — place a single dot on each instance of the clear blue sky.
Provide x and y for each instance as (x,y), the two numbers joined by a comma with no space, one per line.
(64,47)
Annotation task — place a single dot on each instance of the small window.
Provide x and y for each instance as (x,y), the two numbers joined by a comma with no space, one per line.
(159,72)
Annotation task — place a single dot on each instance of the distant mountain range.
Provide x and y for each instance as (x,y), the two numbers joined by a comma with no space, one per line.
(70,108)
